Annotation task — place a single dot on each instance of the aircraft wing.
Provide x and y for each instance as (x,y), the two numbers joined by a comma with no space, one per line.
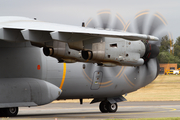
(21,28)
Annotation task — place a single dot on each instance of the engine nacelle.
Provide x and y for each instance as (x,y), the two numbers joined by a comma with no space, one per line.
(62,52)
(128,53)
(109,52)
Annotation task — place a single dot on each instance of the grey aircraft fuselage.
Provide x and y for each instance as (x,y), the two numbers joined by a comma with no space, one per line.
(76,80)
(41,62)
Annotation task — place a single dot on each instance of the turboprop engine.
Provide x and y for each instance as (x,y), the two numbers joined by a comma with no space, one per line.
(110,52)
(123,52)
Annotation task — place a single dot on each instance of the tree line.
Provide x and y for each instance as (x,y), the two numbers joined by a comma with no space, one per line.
(165,56)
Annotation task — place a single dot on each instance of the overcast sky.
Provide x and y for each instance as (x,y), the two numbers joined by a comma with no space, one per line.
(73,12)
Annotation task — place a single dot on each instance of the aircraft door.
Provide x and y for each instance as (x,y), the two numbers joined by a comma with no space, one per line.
(97,79)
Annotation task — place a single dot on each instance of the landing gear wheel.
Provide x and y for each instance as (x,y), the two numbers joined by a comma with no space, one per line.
(2,114)
(112,107)
(103,107)
(11,112)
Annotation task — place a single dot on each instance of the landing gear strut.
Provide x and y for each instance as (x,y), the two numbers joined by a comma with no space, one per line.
(106,106)
(9,112)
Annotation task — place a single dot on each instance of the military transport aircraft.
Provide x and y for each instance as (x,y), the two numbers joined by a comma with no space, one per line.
(91,62)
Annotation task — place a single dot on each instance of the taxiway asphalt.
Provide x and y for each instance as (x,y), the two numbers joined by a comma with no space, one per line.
(58,111)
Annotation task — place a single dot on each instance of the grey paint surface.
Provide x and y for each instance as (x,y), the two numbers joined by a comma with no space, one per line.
(16,92)
(21,62)
(116,81)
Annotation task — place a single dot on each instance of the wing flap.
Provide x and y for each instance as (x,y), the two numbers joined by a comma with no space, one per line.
(12,35)
(36,36)
(15,29)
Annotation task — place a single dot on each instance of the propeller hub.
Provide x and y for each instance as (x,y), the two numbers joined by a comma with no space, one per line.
(152,51)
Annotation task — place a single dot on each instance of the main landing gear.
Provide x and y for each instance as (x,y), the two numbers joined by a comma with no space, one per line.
(9,112)
(106,106)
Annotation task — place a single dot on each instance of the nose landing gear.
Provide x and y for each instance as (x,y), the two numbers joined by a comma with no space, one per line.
(106,106)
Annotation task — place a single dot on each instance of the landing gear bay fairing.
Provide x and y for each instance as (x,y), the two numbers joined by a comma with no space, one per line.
(42,62)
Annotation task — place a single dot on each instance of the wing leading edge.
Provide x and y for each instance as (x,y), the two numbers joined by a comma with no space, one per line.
(20,28)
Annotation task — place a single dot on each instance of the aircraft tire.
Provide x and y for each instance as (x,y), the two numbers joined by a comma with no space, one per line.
(11,112)
(112,108)
(2,114)
(103,107)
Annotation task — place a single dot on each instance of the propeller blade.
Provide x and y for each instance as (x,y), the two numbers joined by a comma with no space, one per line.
(157,22)
(119,23)
(128,27)
(104,18)
(160,36)
(140,22)
(90,23)
(152,68)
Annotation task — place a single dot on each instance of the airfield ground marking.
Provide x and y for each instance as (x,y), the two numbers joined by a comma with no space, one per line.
(114,114)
